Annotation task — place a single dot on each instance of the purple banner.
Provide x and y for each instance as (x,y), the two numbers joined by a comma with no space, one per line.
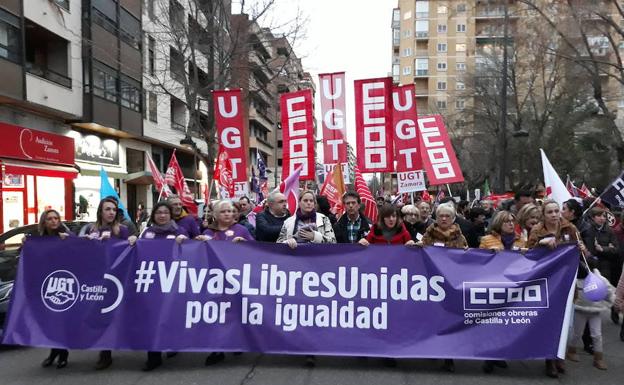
(614,194)
(392,301)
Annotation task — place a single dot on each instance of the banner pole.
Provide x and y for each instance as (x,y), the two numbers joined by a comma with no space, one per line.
(590,206)
(449,190)
(161,191)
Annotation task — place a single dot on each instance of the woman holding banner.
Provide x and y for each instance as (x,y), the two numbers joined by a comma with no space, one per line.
(107,225)
(224,226)
(551,232)
(528,216)
(445,233)
(502,237)
(306,226)
(50,225)
(162,226)
(389,229)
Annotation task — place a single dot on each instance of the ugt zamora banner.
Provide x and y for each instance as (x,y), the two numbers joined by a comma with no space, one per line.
(437,151)
(230,131)
(373,124)
(298,134)
(334,299)
(410,175)
(333,111)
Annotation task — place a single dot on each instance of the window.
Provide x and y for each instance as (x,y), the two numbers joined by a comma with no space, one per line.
(441,66)
(395,69)
(460,47)
(461,8)
(153,107)
(151,55)
(460,66)
(441,104)
(442,9)
(176,14)
(407,70)
(422,28)
(441,28)
(176,65)
(104,81)
(460,104)
(130,93)
(10,37)
(150,9)
(441,47)
(407,33)
(63,3)
(407,52)
(441,85)
(460,86)
(105,14)
(421,66)
(422,9)
(130,29)
(461,27)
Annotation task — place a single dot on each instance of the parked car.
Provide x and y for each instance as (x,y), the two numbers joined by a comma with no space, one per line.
(10,247)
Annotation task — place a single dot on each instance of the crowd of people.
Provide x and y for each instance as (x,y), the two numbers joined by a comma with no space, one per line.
(517,225)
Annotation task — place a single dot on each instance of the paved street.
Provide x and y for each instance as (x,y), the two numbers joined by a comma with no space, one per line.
(21,366)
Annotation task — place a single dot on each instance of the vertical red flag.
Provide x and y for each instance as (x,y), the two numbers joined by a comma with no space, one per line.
(223,175)
(298,134)
(230,131)
(437,152)
(174,172)
(159,181)
(405,134)
(290,188)
(370,206)
(373,124)
(333,120)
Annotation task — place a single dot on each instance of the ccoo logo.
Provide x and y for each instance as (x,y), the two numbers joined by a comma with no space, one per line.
(60,290)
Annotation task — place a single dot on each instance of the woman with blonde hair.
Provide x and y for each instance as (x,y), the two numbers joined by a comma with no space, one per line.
(528,216)
(224,227)
(306,225)
(502,234)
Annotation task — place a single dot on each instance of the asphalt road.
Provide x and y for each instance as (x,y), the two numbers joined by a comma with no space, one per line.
(22,366)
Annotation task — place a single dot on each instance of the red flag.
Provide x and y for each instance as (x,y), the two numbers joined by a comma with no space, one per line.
(370,206)
(174,172)
(333,109)
(405,134)
(584,192)
(437,151)
(223,175)
(159,181)
(298,133)
(334,188)
(425,196)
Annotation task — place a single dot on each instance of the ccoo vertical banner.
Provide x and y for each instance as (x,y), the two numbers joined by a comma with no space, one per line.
(437,152)
(410,175)
(333,121)
(298,133)
(230,126)
(373,124)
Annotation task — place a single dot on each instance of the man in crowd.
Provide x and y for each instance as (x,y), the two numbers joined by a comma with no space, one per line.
(182,218)
(270,221)
(245,205)
(352,226)
(521,198)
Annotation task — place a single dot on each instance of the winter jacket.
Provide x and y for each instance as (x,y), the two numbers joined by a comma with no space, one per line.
(619,294)
(236,230)
(189,223)
(452,237)
(604,236)
(268,226)
(567,234)
(89,230)
(415,229)
(493,241)
(341,232)
(324,232)
(583,305)
(375,236)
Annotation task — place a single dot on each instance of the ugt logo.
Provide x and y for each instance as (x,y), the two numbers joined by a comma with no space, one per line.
(60,290)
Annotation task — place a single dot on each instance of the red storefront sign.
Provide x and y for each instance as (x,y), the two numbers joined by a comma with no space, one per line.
(35,146)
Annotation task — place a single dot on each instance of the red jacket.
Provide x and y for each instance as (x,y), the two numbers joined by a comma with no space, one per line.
(376,236)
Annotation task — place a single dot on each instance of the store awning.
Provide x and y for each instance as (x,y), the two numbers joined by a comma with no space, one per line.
(141,177)
(11,166)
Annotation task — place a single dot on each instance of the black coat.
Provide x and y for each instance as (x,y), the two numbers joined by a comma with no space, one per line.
(605,236)
(416,228)
(268,226)
(341,232)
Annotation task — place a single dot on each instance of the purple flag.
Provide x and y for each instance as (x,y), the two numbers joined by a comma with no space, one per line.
(318,299)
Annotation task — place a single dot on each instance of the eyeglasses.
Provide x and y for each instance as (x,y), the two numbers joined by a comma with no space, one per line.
(512,221)
(413,214)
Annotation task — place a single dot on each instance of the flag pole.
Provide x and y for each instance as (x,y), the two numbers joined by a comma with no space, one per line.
(449,190)
(161,192)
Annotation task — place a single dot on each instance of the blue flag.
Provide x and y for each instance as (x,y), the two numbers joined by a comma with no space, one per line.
(106,190)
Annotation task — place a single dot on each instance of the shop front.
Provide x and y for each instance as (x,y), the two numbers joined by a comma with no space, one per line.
(37,174)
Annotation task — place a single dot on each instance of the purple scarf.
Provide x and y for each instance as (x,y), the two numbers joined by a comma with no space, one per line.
(311,216)
(508,240)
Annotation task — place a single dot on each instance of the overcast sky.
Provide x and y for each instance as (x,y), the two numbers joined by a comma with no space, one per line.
(344,35)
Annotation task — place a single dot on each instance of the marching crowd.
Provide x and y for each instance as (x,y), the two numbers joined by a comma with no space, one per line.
(520,224)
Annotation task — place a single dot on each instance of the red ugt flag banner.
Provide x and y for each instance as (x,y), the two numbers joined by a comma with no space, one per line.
(373,124)
(159,181)
(370,206)
(437,152)
(333,112)
(223,175)
(404,119)
(230,130)
(298,134)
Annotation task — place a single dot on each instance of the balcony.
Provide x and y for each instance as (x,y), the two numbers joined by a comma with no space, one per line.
(47,55)
(421,52)
(421,35)
(421,73)
(396,42)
